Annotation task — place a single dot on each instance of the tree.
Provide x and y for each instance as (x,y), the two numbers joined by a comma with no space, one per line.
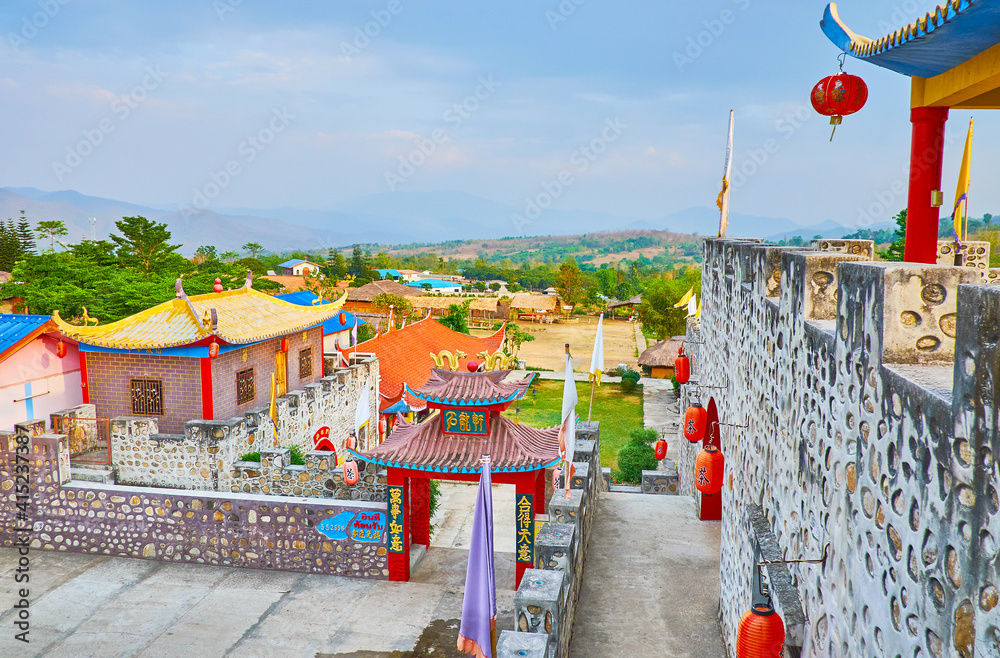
(401,307)
(514,337)
(360,263)
(570,282)
(987,219)
(657,312)
(338,269)
(51,229)
(205,254)
(457,317)
(27,240)
(897,247)
(228,256)
(254,248)
(10,246)
(383,261)
(143,244)
(495,286)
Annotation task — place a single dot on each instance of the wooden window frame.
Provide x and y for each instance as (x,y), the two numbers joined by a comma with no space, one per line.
(302,353)
(241,399)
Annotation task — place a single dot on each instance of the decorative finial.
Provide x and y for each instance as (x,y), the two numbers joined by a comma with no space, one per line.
(218,285)
(249,281)
(179,288)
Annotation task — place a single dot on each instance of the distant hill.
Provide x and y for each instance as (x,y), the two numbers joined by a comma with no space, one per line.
(388,219)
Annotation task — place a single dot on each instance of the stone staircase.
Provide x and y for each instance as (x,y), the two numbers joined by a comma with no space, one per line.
(93,473)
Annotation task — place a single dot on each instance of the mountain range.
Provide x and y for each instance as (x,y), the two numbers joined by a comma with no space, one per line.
(388,218)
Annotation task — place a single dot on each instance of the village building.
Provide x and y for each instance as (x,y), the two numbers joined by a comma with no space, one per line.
(39,369)
(201,357)
(540,308)
(387,273)
(299,267)
(657,361)
(437,286)
(359,300)
(407,357)
(483,311)
(411,275)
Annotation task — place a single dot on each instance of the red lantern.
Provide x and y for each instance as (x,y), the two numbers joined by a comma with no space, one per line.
(284,344)
(661,449)
(352,442)
(761,633)
(556,474)
(351,472)
(60,349)
(342,318)
(213,350)
(708,469)
(836,96)
(682,367)
(381,426)
(695,420)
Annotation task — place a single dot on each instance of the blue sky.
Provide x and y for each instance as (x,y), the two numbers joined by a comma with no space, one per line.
(176,92)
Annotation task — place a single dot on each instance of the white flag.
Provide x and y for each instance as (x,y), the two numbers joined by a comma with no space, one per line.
(597,358)
(567,430)
(723,201)
(693,306)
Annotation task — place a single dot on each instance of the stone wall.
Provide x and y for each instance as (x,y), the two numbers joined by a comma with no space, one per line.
(205,455)
(868,390)
(545,602)
(342,538)
(319,477)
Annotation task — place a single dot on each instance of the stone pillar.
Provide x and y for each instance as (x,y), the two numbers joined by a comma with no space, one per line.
(420,511)
(926,154)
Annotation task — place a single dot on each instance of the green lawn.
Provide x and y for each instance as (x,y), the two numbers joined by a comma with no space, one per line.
(618,413)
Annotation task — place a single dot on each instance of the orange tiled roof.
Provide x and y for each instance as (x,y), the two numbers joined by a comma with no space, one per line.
(404,355)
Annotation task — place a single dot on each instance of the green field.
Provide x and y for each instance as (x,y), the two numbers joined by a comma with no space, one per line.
(618,413)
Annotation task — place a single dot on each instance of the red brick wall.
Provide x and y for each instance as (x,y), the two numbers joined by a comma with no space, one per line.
(108,378)
(260,357)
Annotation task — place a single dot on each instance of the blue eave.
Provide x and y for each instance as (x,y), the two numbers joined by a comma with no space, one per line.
(190,351)
(445,469)
(951,37)
(464,403)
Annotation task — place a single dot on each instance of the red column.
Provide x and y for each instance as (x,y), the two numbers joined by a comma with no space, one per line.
(399,563)
(525,485)
(420,511)
(926,154)
(83,377)
(207,404)
(540,492)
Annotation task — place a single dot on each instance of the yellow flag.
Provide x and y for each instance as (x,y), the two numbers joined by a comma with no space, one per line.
(698,314)
(961,210)
(684,300)
(274,401)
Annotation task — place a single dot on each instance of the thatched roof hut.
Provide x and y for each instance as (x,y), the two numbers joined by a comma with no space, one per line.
(659,358)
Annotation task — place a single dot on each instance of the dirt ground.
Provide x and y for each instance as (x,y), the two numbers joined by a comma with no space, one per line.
(547,350)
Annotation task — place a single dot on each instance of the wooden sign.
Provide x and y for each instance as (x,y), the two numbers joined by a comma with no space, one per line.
(524,523)
(465,422)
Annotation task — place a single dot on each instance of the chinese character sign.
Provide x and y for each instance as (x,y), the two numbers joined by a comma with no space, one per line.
(525,525)
(467,422)
(396,522)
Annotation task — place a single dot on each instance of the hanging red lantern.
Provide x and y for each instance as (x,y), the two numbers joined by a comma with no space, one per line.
(695,420)
(284,344)
(60,349)
(351,472)
(352,442)
(661,449)
(342,318)
(381,426)
(761,633)
(836,96)
(213,350)
(708,470)
(682,367)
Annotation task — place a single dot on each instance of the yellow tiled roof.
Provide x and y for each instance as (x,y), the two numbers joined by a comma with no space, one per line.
(243,315)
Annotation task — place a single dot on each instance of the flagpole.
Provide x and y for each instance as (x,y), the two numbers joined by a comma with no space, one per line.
(593,384)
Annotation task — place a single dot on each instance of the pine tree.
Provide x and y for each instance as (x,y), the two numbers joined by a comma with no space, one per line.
(9,246)
(25,237)
(897,248)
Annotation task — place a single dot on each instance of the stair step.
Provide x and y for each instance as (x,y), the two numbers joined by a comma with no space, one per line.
(103,475)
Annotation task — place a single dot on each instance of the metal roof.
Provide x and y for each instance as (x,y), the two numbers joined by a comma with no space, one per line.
(434,283)
(15,327)
(953,33)
(331,326)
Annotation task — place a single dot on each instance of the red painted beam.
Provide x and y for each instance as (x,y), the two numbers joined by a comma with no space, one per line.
(399,563)
(83,377)
(926,157)
(207,403)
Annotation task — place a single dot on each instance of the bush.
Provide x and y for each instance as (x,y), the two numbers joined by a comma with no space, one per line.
(435,500)
(636,456)
(630,379)
(296,457)
(627,385)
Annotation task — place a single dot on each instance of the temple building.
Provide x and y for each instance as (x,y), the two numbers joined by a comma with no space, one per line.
(465,425)
(336,330)
(207,357)
(407,357)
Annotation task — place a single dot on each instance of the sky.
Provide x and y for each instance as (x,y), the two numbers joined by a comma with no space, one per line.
(618,107)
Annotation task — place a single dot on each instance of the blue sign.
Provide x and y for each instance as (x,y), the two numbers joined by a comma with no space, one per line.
(336,527)
(397,524)
(368,527)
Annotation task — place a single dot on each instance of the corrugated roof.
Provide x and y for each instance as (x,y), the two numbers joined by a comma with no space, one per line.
(370,291)
(434,283)
(404,355)
(467,389)
(15,327)
(953,33)
(244,316)
(511,446)
(296,261)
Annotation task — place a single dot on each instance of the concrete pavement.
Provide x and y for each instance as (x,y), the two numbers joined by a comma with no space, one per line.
(651,582)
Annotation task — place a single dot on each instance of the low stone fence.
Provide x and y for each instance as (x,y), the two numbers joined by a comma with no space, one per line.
(545,603)
(80,425)
(319,477)
(345,538)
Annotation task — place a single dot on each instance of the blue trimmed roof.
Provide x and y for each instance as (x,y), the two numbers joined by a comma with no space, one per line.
(14,327)
(399,407)
(331,326)
(435,283)
(953,33)
(382,271)
(294,262)
(449,469)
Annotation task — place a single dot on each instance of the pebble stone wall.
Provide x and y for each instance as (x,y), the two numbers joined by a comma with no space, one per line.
(869,391)
(241,530)
(275,474)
